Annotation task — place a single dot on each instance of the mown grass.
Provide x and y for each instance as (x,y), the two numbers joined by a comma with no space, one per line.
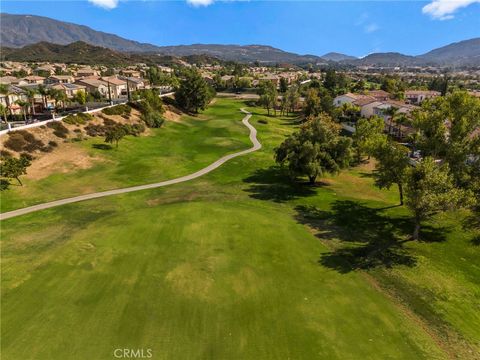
(177,149)
(239,264)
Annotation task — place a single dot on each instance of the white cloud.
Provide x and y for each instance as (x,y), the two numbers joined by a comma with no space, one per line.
(444,9)
(197,3)
(370,28)
(105,4)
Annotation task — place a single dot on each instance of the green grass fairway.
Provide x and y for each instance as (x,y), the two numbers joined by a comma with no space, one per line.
(238,264)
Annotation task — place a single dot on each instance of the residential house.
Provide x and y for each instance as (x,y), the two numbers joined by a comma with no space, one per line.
(9,80)
(33,79)
(60,79)
(418,96)
(44,69)
(131,73)
(349,98)
(13,95)
(69,89)
(86,72)
(118,87)
(379,95)
(94,85)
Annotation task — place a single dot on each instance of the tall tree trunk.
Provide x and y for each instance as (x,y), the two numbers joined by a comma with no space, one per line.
(400,191)
(312,178)
(18,179)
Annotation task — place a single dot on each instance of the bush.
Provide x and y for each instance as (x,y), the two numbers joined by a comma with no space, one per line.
(109,122)
(15,142)
(52,143)
(27,156)
(153,119)
(78,119)
(59,129)
(22,140)
(122,109)
(94,130)
(5,153)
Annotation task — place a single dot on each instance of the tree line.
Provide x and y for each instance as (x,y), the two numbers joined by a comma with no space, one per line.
(446,131)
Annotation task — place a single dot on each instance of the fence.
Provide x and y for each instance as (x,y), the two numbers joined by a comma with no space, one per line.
(40,123)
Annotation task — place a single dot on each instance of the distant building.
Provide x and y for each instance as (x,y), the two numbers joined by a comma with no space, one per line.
(418,96)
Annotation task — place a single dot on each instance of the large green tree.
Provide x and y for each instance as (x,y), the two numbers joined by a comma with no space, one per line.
(391,165)
(114,134)
(430,189)
(368,133)
(194,93)
(13,168)
(316,149)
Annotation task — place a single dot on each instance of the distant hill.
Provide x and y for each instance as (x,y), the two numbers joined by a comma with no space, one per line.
(386,59)
(80,53)
(21,30)
(465,52)
(245,53)
(334,56)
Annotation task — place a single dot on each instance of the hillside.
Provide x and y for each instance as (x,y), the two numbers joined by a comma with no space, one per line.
(386,59)
(246,53)
(460,53)
(334,56)
(21,30)
(83,53)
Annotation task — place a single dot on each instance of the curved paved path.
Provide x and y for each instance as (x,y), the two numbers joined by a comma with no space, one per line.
(253,138)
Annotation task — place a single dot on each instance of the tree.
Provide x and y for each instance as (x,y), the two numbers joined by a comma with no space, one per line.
(13,168)
(193,93)
(5,90)
(391,166)
(283,85)
(312,106)
(268,95)
(31,98)
(316,149)
(80,97)
(114,134)
(368,133)
(293,99)
(429,190)
(23,105)
(330,82)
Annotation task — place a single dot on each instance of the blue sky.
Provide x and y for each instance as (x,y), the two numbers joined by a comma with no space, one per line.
(306,27)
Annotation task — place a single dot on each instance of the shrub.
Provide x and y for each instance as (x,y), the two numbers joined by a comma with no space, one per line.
(95,130)
(52,143)
(59,129)
(34,145)
(153,119)
(122,109)
(15,142)
(27,156)
(78,119)
(5,153)
(109,122)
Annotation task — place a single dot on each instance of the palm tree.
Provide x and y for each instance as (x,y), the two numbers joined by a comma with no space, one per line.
(5,90)
(391,112)
(24,106)
(42,90)
(31,98)
(3,111)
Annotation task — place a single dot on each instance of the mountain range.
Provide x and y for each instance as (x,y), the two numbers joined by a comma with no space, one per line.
(22,30)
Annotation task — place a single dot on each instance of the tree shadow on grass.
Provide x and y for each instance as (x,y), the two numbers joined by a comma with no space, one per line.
(369,238)
(102,146)
(274,184)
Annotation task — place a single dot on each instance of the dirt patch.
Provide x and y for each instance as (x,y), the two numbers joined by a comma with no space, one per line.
(64,159)
(172,116)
